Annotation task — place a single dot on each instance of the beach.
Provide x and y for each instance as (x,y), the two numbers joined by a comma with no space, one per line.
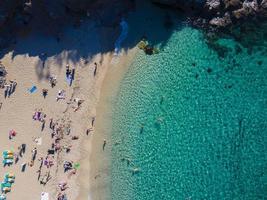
(91,114)
(69,106)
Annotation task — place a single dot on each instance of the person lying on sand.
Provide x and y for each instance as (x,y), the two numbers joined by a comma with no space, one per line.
(79,102)
(62,185)
(61,95)
(89,130)
(67,166)
(61,196)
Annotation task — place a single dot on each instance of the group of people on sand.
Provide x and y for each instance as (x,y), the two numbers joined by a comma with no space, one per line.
(10,88)
(61,138)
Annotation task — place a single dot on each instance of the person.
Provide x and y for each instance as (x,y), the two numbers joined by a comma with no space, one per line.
(73,74)
(13,85)
(75,137)
(43,125)
(61,94)
(104,144)
(53,81)
(23,148)
(62,185)
(61,196)
(39,174)
(23,167)
(68,72)
(45,91)
(12,134)
(88,131)
(67,166)
(16,157)
(7,89)
(93,121)
(34,153)
(95,69)
(51,123)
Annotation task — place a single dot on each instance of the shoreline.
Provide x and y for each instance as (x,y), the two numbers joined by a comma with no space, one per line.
(101,159)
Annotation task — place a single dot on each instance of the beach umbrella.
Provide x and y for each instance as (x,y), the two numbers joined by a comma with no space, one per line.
(76,165)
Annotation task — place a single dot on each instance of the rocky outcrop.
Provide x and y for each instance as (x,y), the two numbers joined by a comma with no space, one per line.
(232,3)
(221,21)
(213,4)
(248,8)
(52,15)
(221,13)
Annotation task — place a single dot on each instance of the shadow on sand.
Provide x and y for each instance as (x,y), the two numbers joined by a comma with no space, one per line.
(81,44)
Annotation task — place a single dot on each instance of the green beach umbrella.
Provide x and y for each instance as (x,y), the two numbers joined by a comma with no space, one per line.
(76,165)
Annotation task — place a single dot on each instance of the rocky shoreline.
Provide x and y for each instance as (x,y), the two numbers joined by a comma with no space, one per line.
(22,16)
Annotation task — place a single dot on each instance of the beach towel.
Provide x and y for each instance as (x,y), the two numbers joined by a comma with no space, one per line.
(44,196)
(33,89)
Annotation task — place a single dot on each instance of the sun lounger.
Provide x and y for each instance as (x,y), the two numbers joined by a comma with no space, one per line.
(7,152)
(10,175)
(8,156)
(9,178)
(7,161)
(5,189)
(2,197)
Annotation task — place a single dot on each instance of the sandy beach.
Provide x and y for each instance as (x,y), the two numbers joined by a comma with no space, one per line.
(82,132)
(74,130)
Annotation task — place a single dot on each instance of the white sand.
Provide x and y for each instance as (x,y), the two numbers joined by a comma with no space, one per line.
(16,113)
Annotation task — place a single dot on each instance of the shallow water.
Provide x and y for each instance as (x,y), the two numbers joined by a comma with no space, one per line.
(188,124)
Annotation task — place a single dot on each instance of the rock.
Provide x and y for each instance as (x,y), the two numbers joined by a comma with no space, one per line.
(232,3)
(221,21)
(248,8)
(213,4)
(263,4)
(263,8)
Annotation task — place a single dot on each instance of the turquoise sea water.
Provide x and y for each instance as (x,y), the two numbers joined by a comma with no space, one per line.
(188,124)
